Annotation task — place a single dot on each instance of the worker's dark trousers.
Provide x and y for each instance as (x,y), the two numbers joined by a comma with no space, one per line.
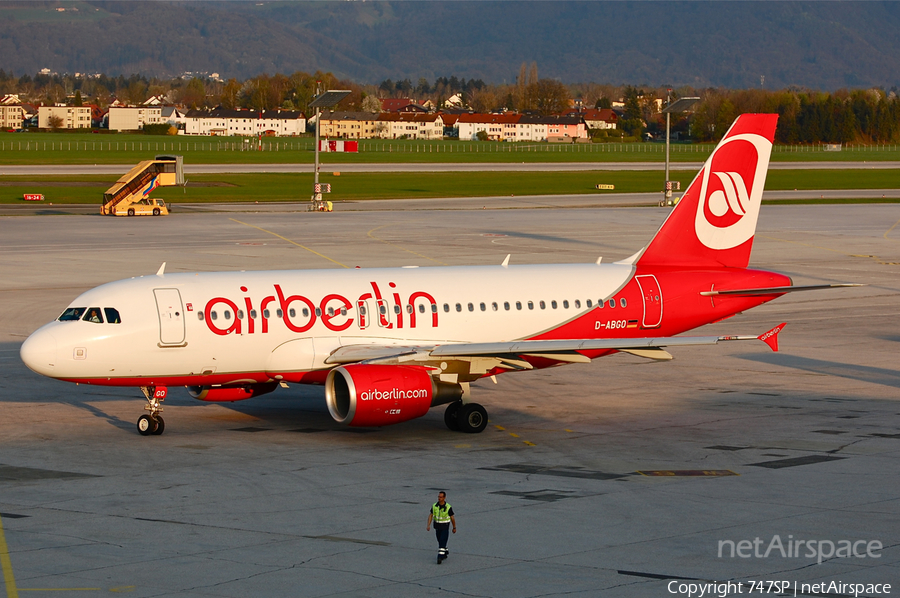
(443,533)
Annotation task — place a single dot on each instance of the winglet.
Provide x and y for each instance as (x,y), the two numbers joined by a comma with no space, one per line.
(162,270)
(771,337)
(505,263)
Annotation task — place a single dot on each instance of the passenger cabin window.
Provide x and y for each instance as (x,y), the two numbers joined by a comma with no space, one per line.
(278,313)
(622,302)
(71,314)
(588,303)
(446,308)
(565,303)
(553,304)
(240,314)
(471,307)
(458,307)
(482,306)
(227,314)
(200,315)
(612,302)
(577,304)
(252,314)
(93,315)
(112,315)
(543,305)
(531,305)
(518,305)
(506,305)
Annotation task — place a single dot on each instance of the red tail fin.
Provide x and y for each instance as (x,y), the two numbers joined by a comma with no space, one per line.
(714,223)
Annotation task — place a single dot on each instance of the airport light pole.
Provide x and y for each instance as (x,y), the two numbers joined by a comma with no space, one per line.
(326,99)
(679,106)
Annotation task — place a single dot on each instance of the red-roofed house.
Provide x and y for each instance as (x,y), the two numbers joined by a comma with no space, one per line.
(401,105)
(604,118)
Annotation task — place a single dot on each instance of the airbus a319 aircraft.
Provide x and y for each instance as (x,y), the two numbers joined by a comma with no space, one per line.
(389,344)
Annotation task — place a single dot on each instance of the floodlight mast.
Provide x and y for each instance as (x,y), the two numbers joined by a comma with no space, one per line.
(323,100)
(680,105)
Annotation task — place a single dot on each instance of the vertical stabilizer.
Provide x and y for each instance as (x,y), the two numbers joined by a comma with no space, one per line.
(714,223)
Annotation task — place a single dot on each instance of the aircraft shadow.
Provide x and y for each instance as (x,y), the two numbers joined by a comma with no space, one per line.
(861,373)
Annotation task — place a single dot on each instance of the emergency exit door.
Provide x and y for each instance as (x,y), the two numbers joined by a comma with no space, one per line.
(652,298)
(171,316)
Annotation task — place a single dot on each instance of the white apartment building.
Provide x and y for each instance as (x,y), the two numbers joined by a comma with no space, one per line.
(11,117)
(134,118)
(409,124)
(278,123)
(73,117)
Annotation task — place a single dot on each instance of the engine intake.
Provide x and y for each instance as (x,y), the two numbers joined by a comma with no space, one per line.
(381,395)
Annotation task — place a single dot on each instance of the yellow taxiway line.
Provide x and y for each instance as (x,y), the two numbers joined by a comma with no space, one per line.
(313,251)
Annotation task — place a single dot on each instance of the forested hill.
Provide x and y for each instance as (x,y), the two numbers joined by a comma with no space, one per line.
(819,45)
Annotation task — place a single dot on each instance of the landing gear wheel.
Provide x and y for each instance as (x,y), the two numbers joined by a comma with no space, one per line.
(146,425)
(131,211)
(152,422)
(472,418)
(451,416)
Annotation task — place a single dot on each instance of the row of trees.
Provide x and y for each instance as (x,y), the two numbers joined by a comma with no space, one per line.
(868,116)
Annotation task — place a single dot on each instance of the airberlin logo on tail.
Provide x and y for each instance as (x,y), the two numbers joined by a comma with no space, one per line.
(731,191)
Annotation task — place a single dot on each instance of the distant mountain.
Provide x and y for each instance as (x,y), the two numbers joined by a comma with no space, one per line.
(820,45)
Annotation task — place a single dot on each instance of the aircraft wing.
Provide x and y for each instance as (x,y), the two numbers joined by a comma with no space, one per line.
(561,349)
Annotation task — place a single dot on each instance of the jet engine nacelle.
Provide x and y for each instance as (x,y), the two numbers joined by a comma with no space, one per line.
(230,394)
(380,395)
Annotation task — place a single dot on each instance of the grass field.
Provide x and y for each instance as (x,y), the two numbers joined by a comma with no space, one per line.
(362,186)
(86,148)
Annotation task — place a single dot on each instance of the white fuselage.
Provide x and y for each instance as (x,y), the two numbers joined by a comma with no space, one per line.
(232,327)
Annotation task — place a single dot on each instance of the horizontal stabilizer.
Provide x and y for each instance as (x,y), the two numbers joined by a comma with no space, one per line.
(779,290)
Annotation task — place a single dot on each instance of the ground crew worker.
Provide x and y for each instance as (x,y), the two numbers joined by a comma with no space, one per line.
(442,515)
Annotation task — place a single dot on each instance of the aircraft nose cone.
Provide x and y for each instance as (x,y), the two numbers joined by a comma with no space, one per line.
(38,352)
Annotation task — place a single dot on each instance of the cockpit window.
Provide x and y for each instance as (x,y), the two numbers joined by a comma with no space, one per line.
(72,313)
(112,315)
(93,315)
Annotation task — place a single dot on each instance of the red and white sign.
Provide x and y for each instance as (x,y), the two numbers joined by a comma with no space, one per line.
(34,197)
(338,145)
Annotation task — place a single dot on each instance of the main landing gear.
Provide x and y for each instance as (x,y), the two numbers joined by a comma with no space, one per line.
(152,423)
(471,418)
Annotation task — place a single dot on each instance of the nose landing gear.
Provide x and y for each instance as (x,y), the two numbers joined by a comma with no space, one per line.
(152,423)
